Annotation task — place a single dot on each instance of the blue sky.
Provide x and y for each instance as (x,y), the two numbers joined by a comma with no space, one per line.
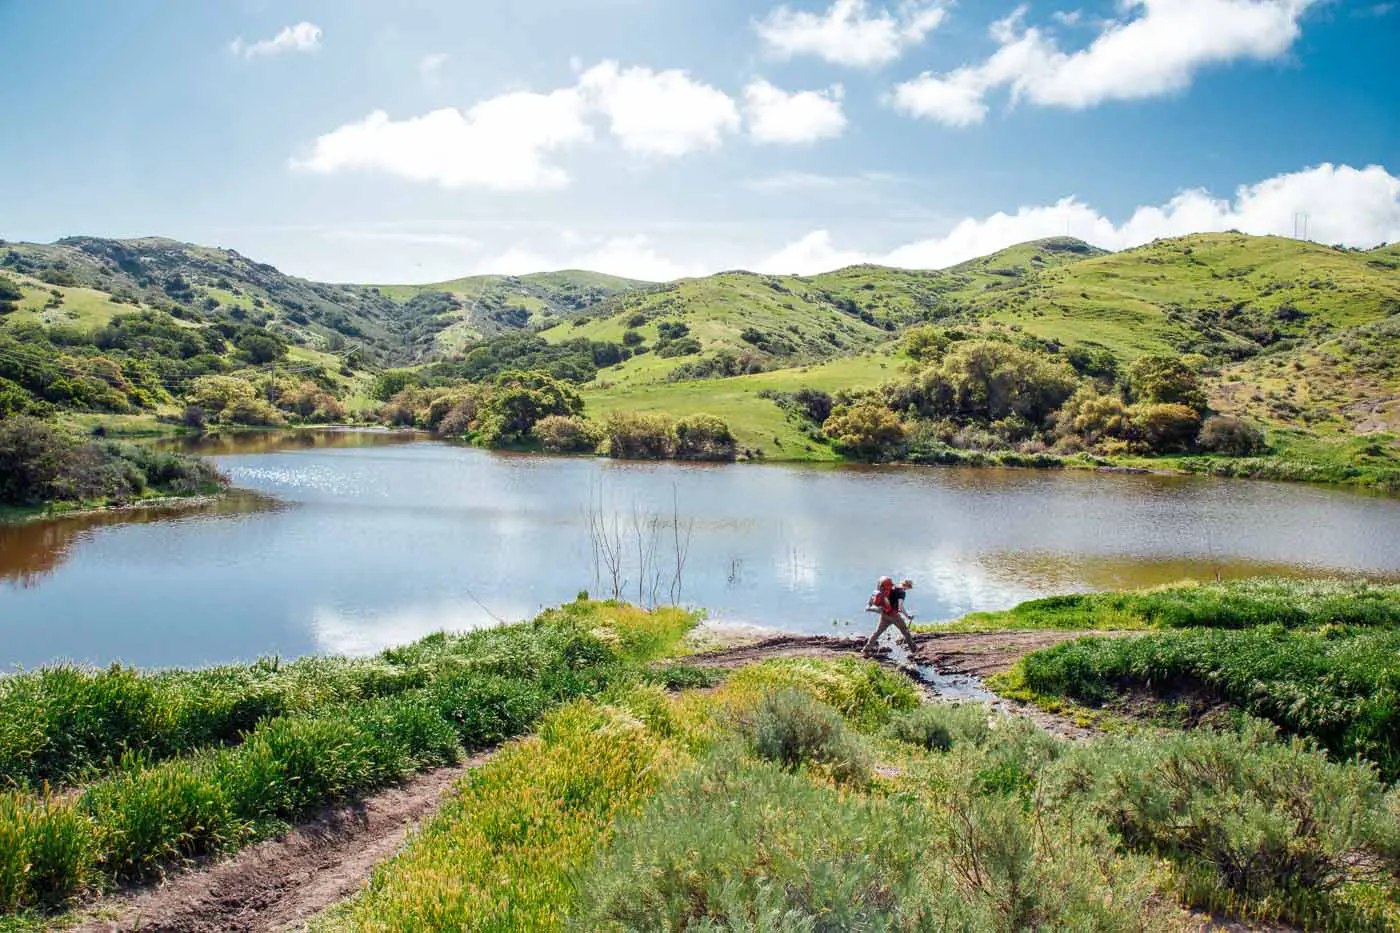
(353,140)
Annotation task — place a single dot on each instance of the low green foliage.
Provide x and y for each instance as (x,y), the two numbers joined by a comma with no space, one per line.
(1340,688)
(1267,827)
(1233,604)
(936,727)
(792,731)
(864,693)
(307,734)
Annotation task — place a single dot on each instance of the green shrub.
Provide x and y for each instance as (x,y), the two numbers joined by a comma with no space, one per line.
(792,730)
(566,434)
(702,437)
(1165,428)
(938,726)
(1264,819)
(866,429)
(1225,434)
(637,436)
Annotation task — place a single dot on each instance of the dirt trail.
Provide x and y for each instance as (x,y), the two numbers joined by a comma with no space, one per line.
(978,655)
(278,885)
(975,656)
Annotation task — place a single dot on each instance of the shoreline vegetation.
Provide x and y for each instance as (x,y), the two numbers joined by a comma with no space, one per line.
(1243,761)
(46,471)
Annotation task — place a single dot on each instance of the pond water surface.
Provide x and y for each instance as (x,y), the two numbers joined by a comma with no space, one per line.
(347,542)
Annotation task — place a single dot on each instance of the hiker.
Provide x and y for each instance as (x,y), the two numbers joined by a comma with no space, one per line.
(888,601)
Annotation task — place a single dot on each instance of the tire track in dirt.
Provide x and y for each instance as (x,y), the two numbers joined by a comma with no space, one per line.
(278,885)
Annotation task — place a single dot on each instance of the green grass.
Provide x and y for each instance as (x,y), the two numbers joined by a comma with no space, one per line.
(755,421)
(65,724)
(245,762)
(1291,603)
(1340,687)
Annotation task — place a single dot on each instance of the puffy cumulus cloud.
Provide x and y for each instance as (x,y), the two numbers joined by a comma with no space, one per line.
(813,253)
(849,33)
(508,142)
(1356,207)
(504,143)
(775,116)
(1156,48)
(659,113)
(303,37)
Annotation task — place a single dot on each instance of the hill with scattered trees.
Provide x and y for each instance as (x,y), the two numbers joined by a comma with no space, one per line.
(1265,351)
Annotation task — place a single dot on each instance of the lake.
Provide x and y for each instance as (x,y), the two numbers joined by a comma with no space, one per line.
(347,542)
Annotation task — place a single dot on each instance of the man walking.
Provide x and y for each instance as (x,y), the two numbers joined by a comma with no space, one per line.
(888,601)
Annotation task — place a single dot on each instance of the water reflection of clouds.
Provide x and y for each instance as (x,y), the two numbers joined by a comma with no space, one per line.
(961,582)
(337,631)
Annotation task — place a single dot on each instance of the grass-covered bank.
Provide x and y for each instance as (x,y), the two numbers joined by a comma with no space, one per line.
(1317,659)
(807,795)
(1233,604)
(183,764)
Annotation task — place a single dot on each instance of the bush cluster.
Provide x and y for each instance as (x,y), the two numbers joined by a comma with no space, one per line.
(42,464)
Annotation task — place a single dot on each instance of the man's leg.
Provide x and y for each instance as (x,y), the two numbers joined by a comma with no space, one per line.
(880,630)
(903,627)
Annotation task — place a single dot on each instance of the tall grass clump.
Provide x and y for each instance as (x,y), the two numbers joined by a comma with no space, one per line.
(47,851)
(1340,688)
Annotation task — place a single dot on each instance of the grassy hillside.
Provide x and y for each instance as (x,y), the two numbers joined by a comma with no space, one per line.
(771,321)
(200,282)
(457,313)
(1224,295)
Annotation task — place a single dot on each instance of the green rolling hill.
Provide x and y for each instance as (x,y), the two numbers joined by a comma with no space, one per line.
(450,316)
(1289,333)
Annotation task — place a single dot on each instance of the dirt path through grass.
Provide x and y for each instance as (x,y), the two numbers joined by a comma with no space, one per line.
(279,884)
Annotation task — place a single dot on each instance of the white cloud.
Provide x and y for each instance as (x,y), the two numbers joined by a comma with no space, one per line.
(430,68)
(815,252)
(507,142)
(503,143)
(847,33)
(303,37)
(1157,48)
(775,116)
(1355,207)
(811,181)
(659,113)
(630,256)
(1067,17)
